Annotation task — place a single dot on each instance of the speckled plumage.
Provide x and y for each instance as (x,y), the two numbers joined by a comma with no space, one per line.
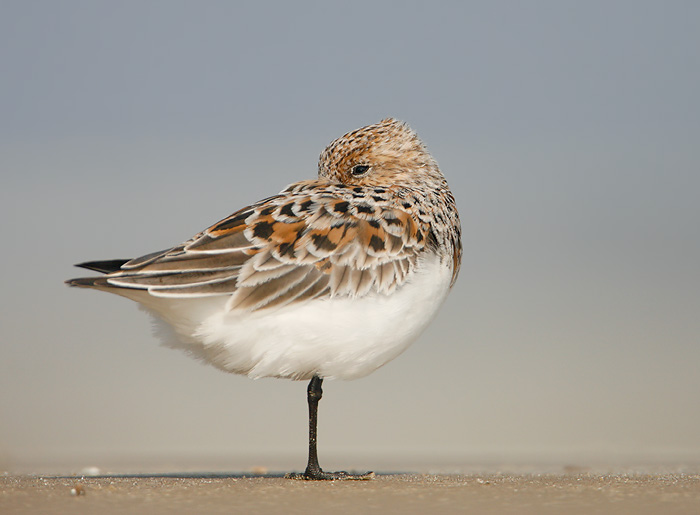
(378,222)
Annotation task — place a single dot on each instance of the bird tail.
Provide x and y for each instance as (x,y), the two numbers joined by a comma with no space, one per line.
(104,267)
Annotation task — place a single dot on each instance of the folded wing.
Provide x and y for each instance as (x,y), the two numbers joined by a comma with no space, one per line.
(311,241)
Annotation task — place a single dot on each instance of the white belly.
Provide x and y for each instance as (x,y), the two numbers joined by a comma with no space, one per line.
(342,337)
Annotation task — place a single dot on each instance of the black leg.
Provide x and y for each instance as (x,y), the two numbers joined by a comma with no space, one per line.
(313,470)
(313,395)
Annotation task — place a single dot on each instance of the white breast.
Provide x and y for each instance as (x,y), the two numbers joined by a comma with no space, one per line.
(341,337)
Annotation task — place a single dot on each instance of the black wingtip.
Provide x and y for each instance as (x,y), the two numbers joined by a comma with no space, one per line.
(104,267)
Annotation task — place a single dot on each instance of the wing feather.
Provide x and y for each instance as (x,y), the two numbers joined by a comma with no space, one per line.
(210,289)
(165,280)
(265,292)
(315,240)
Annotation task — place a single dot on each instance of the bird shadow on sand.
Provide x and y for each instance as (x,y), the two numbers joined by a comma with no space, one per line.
(201,475)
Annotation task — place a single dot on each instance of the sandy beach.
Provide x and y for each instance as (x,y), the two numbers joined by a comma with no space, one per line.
(571,493)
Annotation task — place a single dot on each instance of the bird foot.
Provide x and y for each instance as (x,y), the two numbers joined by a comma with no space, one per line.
(320,475)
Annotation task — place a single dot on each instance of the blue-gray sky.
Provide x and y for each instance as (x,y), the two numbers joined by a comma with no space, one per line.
(568,131)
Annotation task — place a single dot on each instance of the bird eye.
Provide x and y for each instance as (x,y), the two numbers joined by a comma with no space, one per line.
(359,170)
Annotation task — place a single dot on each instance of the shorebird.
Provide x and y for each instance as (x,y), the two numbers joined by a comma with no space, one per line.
(329,279)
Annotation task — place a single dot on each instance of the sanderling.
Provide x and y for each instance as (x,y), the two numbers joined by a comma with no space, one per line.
(331,278)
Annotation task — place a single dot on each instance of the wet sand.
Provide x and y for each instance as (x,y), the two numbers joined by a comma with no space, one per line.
(571,493)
